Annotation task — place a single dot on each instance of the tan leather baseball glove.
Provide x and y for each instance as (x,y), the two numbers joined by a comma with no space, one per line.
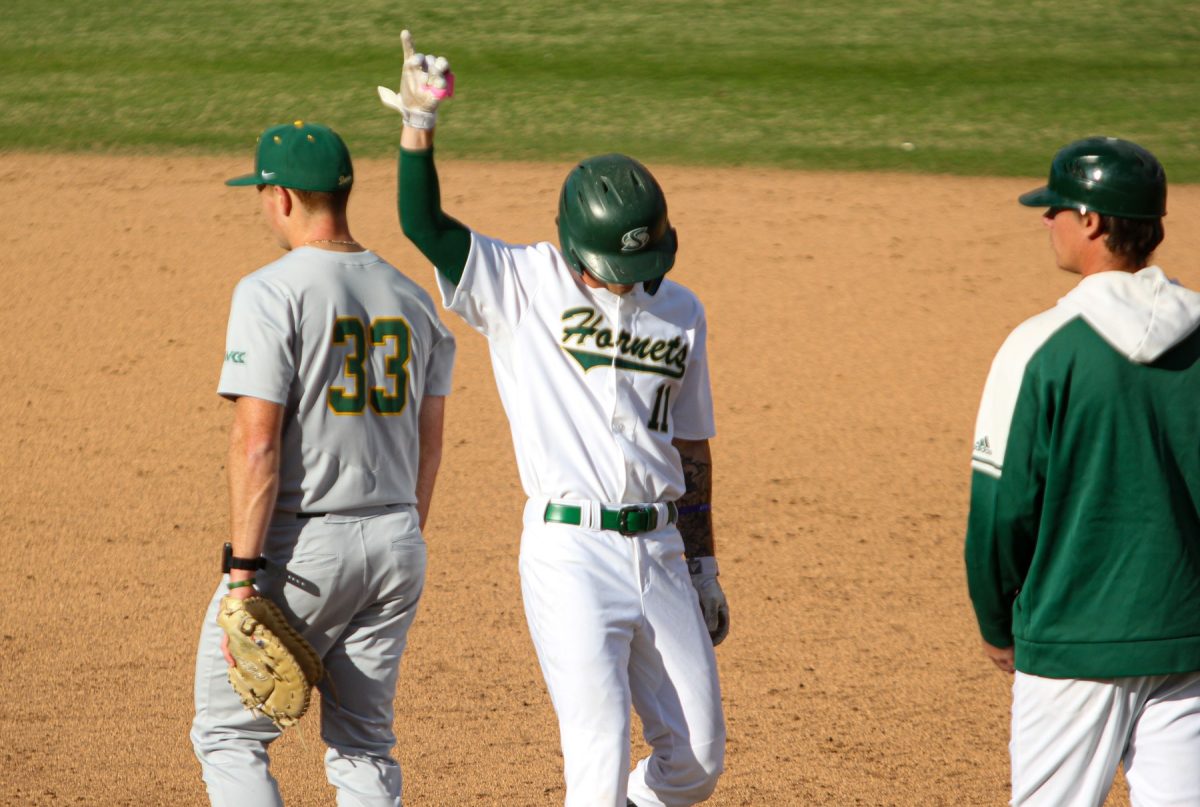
(275,667)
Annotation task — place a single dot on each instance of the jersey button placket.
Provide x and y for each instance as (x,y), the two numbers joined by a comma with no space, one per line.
(618,427)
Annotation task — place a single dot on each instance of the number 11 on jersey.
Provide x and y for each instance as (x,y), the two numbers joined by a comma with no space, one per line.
(662,405)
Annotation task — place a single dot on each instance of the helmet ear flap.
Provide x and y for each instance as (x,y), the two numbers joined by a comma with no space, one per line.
(574,261)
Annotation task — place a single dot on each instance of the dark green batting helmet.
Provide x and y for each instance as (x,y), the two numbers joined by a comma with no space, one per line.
(1107,175)
(612,219)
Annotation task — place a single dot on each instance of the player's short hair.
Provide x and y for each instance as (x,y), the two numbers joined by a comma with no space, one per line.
(1133,240)
(323,201)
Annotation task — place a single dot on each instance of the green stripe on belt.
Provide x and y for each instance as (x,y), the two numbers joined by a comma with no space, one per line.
(627,520)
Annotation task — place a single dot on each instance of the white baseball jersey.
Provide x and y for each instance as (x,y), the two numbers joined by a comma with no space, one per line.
(595,384)
(349,346)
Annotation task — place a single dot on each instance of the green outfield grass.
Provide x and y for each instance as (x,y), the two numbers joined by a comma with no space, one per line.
(976,87)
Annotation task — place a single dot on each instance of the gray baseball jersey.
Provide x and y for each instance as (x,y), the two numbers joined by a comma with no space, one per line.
(332,336)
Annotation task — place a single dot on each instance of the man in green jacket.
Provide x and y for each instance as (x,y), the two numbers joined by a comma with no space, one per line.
(1083,542)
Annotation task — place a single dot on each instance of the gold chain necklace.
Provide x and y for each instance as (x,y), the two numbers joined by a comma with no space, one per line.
(332,241)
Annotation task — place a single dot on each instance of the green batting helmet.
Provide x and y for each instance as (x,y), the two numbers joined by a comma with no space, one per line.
(612,219)
(1107,175)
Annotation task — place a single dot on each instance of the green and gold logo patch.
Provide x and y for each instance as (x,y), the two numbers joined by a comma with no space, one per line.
(589,342)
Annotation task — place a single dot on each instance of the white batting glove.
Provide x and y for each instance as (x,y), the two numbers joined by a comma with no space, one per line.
(712,599)
(425,82)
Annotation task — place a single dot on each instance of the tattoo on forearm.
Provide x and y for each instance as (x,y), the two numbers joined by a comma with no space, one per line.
(696,527)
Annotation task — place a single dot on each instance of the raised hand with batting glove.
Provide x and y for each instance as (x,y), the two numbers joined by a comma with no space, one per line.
(621,495)
(425,82)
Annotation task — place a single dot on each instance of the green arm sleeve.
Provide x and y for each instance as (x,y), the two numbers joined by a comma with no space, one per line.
(441,239)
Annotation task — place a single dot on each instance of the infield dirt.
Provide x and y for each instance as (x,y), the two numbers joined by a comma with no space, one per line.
(852,318)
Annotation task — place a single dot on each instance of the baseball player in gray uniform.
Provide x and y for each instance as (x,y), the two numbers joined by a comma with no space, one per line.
(602,370)
(337,365)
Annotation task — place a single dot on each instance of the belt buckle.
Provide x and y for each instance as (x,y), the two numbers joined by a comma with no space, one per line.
(650,514)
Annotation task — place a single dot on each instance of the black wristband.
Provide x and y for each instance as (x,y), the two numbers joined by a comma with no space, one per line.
(230,561)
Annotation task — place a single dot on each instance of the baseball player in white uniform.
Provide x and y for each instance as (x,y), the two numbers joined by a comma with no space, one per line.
(337,365)
(601,367)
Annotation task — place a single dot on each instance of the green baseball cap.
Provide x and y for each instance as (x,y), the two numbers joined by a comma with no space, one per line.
(303,156)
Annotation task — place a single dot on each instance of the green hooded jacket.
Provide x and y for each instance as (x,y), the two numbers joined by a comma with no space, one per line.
(1083,541)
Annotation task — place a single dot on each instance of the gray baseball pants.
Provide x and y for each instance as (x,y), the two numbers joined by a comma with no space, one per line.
(351,584)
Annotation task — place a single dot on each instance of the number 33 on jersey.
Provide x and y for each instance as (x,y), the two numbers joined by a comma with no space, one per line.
(351,346)
(390,333)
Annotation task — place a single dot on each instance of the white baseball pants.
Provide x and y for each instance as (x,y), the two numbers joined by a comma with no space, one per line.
(351,585)
(616,623)
(1069,736)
